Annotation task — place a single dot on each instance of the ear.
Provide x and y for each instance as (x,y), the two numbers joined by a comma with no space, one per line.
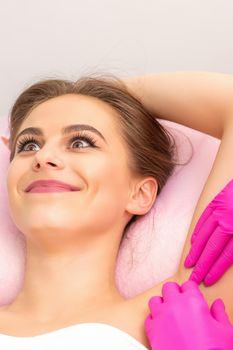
(5,140)
(143,196)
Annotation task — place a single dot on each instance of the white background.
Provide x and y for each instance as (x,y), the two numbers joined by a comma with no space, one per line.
(68,38)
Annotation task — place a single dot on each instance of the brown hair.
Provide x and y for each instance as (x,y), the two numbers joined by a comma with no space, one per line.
(151,148)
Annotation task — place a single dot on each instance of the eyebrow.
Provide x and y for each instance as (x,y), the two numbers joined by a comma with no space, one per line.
(66,130)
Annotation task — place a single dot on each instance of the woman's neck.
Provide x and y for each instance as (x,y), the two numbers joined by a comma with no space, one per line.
(58,284)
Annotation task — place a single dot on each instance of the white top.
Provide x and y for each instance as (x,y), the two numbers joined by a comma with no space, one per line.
(81,336)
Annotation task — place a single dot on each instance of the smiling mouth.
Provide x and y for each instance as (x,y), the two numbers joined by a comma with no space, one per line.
(43,189)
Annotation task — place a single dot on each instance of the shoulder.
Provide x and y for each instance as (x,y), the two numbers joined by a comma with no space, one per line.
(5,319)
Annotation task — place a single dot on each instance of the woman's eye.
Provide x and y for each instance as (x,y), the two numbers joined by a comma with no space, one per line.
(79,140)
(24,142)
(28,141)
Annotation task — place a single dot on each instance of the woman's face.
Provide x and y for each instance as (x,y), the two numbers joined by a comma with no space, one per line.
(100,172)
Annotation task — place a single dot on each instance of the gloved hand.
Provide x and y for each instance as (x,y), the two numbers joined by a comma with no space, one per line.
(181,320)
(212,239)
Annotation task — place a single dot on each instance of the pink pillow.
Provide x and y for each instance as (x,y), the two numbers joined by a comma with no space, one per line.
(154,243)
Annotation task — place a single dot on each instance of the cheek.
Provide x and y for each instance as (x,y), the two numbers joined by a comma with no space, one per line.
(15,183)
(109,186)
(10,179)
(108,174)
(13,175)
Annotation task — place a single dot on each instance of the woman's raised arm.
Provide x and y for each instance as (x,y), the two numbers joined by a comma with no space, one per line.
(199,100)
(202,101)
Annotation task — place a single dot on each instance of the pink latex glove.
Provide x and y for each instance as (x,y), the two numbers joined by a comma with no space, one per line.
(212,239)
(181,320)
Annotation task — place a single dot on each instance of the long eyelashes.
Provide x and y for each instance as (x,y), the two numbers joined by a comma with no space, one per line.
(80,136)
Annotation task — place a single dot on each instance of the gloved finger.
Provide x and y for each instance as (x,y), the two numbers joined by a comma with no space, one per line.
(154,304)
(224,262)
(210,254)
(170,291)
(190,286)
(218,312)
(225,195)
(148,323)
(192,289)
(205,215)
(200,242)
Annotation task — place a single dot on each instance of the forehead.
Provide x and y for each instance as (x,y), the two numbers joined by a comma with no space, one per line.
(57,112)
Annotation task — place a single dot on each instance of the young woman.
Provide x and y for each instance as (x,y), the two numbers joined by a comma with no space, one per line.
(71,243)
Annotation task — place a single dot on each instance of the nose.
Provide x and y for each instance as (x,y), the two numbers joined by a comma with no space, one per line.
(46,159)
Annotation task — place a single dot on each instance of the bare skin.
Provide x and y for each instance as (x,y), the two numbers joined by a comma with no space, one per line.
(202,101)
(97,299)
(72,244)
